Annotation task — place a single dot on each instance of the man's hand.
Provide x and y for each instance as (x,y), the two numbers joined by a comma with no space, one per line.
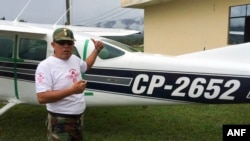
(79,87)
(98,45)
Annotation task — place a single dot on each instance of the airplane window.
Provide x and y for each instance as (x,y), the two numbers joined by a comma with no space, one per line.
(120,45)
(110,52)
(6,47)
(32,49)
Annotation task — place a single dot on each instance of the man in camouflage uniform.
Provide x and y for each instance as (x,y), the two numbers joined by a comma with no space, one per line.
(59,85)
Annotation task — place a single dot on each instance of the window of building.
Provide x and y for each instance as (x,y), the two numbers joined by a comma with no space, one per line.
(6,47)
(239,24)
(32,49)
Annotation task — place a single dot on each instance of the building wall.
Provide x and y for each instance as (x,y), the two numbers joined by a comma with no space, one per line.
(184,26)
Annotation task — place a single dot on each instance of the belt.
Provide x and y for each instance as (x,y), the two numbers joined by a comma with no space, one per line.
(64,115)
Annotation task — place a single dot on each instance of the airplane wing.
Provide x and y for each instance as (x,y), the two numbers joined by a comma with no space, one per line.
(96,31)
(43,29)
(10,26)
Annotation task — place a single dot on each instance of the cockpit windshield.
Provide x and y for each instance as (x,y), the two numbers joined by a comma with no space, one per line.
(121,45)
(114,49)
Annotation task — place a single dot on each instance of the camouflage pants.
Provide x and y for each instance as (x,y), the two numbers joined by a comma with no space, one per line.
(64,128)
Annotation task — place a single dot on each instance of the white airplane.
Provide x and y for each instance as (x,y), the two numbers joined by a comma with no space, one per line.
(122,76)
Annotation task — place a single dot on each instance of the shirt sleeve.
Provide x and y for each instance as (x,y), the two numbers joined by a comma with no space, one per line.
(83,66)
(43,80)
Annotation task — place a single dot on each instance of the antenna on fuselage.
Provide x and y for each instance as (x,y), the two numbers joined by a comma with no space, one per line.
(21,12)
(67,13)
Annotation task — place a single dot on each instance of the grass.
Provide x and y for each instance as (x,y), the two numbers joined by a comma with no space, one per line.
(132,123)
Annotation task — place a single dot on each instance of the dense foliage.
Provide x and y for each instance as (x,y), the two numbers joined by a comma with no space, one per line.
(134,39)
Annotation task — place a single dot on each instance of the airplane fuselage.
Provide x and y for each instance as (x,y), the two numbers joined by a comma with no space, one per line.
(122,77)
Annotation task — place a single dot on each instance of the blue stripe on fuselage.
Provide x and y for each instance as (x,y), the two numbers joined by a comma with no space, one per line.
(184,86)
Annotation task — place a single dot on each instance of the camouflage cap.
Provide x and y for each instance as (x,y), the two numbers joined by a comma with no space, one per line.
(63,34)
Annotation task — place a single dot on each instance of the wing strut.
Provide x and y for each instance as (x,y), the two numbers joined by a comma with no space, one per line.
(11,103)
(22,11)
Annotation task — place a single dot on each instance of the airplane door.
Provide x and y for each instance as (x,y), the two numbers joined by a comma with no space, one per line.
(7,67)
(31,49)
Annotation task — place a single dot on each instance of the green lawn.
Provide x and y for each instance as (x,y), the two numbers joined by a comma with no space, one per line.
(132,123)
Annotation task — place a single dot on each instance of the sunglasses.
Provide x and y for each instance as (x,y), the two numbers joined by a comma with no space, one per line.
(63,42)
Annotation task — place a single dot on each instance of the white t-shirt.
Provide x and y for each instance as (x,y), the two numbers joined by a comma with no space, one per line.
(57,74)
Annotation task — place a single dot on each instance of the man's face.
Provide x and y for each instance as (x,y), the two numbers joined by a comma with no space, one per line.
(63,49)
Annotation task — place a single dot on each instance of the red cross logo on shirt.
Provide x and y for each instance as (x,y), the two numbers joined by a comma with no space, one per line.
(40,77)
(73,74)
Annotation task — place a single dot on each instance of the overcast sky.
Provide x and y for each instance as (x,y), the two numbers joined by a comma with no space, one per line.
(82,12)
